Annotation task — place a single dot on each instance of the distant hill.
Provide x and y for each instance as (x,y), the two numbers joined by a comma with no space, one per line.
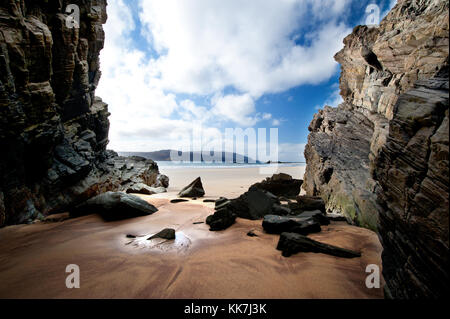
(164,155)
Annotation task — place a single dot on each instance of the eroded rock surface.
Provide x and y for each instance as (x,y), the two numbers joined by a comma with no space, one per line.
(53,129)
(381,157)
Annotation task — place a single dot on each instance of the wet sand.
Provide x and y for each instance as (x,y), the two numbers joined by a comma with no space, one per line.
(198,264)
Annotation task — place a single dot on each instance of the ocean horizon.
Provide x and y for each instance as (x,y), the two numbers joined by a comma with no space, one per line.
(191,164)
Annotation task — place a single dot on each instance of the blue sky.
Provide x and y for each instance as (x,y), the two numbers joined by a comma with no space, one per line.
(170,65)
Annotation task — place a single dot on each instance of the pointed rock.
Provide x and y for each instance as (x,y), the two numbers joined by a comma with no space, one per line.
(194,189)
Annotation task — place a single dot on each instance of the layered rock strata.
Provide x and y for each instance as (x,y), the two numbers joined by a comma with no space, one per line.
(381,157)
(53,129)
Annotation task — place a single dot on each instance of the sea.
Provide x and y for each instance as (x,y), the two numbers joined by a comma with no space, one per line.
(181,165)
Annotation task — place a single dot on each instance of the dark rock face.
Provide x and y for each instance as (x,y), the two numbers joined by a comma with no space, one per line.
(53,129)
(274,224)
(280,185)
(413,171)
(382,156)
(114,206)
(292,243)
(194,189)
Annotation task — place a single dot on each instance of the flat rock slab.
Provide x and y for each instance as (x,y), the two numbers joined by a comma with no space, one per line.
(114,206)
(178,200)
(292,243)
(274,224)
(194,189)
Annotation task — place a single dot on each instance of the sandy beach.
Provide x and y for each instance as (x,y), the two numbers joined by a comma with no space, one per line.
(227,182)
(198,264)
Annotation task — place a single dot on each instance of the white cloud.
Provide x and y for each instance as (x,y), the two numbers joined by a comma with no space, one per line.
(237,108)
(204,48)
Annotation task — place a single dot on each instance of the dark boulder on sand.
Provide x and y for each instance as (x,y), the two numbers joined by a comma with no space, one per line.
(114,206)
(194,189)
(221,219)
(280,185)
(254,204)
(291,243)
(274,224)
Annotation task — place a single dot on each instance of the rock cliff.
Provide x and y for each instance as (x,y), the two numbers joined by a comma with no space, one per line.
(382,156)
(53,129)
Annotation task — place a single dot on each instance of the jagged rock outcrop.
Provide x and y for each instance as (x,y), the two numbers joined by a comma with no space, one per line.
(381,157)
(53,129)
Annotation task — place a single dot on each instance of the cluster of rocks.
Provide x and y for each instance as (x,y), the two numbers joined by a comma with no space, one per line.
(290,219)
(53,129)
(382,157)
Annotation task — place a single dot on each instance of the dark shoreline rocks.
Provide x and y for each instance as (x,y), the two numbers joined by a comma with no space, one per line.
(292,243)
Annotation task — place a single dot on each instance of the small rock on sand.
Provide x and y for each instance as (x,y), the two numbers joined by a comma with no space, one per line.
(178,200)
(167,233)
(194,189)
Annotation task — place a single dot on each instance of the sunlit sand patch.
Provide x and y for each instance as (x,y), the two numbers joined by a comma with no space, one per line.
(181,243)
